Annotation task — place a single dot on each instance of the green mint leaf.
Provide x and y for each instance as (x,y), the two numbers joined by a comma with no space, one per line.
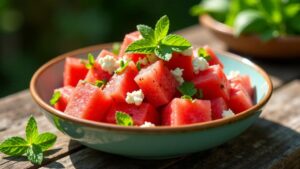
(203,53)
(55,98)
(116,48)
(35,154)
(91,61)
(123,119)
(100,83)
(187,88)
(177,42)
(31,130)
(141,46)
(187,97)
(123,66)
(45,140)
(197,10)
(163,52)
(161,28)
(14,146)
(138,66)
(147,32)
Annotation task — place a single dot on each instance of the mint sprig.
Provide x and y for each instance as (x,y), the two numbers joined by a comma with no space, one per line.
(32,147)
(203,53)
(188,90)
(55,97)
(123,66)
(158,41)
(123,119)
(91,61)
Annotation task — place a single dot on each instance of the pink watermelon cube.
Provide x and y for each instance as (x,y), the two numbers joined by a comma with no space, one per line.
(74,71)
(214,60)
(218,106)
(244,80)
(128,39)
(182,111)
(239,99)
(88,102)
(157,83)
(65,94)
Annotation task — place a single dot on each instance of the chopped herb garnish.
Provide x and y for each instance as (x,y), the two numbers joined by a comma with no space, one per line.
(32,147)
(123,119)
(100,83)
(91,61)
(116,48)
(187,88)
(55,97)
(158,41)
(203,53)
(123,66)
(138,66)
(187,97)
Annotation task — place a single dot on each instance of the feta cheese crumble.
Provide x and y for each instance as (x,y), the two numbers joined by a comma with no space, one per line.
(227,113)
(199,64)
(135,97)
(188,52)
(177,73)
(233,74)
(147,124)
(108,63)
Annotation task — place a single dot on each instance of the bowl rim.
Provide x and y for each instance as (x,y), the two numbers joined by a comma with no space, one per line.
(157,129)
(209,22)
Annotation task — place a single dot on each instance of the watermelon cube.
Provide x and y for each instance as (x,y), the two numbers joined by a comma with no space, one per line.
(157,83)
(128,39)
(239,99)
(96,72)
(88,102)
(65,94)
(214,60)
(182,111)
(244,80)
(218,106)
(140,114)
(178,60)
(120,84)
(74,71)
(213,83)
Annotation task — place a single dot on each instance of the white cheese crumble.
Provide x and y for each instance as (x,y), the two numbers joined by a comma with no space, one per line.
(199,64)
(177,73)
(147,124)
(188,52)
(135,97)
(227,113)
(232,74)
(108,63)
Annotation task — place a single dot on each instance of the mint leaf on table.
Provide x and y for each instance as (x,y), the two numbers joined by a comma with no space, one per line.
(55,97)
(158,41)
(123,119)
(32,147)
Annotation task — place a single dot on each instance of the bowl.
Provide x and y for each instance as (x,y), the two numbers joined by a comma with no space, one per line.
(148,143)
(251,45)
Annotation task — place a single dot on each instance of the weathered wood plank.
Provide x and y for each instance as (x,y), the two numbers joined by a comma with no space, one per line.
(272,142)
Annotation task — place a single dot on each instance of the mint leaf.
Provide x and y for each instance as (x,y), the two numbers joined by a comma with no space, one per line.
(187,88)
(138,66)
(164,52)
(14,146)
(176,42)
(55,97)
(203,53)
(35,154)
(123,119)
(187,97)
(91,61)
(147,32)
(116,48)
(161,28)
(100,83)
(142,46)
(45,140)
(31,130)
(123,66)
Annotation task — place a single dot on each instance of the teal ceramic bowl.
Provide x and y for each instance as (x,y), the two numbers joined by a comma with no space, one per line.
(148,143)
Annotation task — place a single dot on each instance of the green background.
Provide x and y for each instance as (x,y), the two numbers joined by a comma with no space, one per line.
(32,31)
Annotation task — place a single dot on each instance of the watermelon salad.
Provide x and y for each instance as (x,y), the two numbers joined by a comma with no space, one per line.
(152,79)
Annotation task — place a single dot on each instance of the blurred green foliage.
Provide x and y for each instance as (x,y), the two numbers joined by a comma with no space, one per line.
(32,32)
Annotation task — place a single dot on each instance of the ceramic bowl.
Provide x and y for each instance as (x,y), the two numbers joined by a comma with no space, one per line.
(148,143)
(251,45)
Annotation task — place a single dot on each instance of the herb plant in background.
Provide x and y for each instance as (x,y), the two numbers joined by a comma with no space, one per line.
(266,18)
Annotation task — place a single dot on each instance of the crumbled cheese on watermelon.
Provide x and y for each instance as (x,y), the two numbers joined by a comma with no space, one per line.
(233,74)
(177,73)
(147,124)
(227,113)
(135,97)
(188,52)
(199,64)
(108,63)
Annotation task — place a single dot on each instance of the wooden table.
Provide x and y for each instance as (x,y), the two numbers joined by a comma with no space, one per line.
(272,142)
